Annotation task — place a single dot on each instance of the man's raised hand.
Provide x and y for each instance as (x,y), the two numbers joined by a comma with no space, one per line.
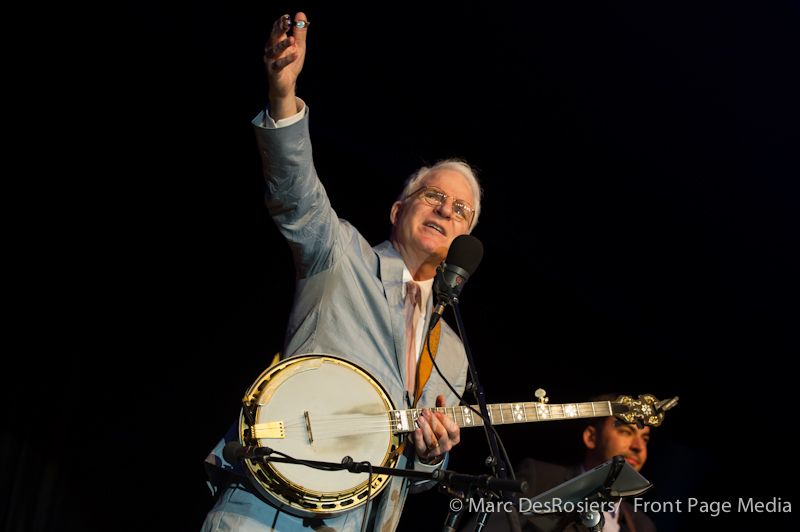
(284,56)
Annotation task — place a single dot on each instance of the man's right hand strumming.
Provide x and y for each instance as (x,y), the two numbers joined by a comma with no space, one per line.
(284,57)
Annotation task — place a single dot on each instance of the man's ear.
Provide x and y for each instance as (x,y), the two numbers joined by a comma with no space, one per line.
(590,437)
(397,206)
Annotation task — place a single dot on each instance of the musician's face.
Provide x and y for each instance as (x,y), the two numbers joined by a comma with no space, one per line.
(426,230)
(626,440)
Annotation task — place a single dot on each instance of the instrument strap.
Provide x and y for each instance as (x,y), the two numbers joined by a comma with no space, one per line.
(425,365)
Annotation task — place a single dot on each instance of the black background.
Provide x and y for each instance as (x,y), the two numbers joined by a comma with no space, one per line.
(640,165)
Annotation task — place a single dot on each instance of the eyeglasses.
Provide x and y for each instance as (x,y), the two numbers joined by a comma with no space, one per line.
(435,196)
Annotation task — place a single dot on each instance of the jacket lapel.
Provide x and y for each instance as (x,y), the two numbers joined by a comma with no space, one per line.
(391,270)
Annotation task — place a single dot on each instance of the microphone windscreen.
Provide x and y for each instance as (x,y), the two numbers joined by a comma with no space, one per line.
(229,452)
(466,252)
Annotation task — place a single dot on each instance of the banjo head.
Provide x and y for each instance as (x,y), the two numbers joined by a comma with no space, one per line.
(320,408)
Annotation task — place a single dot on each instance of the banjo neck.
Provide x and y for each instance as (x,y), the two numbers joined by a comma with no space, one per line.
(506,413)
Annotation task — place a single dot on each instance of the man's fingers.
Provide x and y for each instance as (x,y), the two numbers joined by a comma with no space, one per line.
(451,429)
(436,434)
(278,32)
(419,441)
(429,440)
(281,63)
(434,443)
(275,50)
(300,33)
(279,29)
(438,431)
(432,420)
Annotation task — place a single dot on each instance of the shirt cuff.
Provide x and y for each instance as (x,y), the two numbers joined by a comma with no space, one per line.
(419,466)
(264,120)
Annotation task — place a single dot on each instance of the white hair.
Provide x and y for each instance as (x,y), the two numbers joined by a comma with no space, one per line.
(456,165)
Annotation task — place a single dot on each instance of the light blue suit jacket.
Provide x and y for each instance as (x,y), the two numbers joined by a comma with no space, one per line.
(348,302)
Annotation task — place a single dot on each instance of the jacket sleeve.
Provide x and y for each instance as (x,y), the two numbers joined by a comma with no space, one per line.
(295,197)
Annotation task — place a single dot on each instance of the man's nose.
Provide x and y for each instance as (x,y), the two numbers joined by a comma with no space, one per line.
(446,208)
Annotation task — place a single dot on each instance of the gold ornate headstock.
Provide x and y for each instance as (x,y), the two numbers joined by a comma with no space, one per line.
(647,410)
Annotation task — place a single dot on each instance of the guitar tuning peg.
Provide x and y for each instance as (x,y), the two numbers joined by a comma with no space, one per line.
(540,394)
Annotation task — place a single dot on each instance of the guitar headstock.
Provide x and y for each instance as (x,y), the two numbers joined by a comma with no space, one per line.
(644,411)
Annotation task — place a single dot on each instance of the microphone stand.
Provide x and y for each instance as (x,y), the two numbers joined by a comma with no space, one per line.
(494,460)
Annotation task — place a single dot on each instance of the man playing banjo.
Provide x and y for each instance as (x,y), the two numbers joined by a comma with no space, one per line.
(369,305)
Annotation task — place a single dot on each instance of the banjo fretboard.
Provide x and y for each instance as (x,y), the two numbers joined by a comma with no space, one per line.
(504,414)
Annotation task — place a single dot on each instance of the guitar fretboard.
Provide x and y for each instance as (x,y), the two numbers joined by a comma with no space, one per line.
(504,414)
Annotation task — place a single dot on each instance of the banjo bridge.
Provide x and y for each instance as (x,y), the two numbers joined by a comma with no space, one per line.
(268,430)
(308,428)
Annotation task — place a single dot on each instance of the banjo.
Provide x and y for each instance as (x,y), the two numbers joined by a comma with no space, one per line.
(345,411)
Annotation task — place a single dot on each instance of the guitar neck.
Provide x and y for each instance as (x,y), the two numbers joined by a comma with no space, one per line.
(505,414)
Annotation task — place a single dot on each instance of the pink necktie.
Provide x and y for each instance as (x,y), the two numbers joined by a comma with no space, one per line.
(412,313)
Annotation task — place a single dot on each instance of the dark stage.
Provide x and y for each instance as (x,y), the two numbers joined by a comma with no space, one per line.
(640,164)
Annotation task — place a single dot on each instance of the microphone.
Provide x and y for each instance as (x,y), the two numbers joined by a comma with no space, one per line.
(463,258)
(234,452)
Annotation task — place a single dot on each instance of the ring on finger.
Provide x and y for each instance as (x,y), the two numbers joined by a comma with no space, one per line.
(433,444)
(300,24)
